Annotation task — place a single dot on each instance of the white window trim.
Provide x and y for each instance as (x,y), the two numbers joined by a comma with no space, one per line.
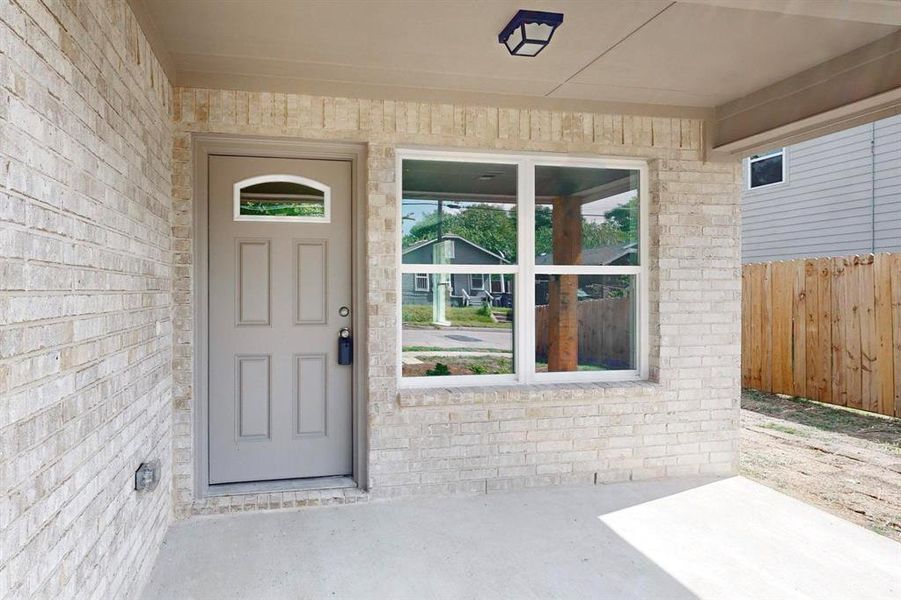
(417,287)
(760,157)
(524,273)
(316,185)
(472,286)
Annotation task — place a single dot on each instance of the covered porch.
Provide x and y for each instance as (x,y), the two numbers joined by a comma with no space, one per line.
(202,296)
(692,538)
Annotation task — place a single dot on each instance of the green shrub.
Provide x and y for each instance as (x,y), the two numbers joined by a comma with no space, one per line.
(439,369)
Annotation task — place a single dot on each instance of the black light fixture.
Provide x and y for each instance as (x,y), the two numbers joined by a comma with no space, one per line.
(529,31)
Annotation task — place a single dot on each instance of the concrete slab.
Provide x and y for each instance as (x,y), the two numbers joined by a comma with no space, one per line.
(688,538)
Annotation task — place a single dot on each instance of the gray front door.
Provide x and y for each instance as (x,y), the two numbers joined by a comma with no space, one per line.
(279,275)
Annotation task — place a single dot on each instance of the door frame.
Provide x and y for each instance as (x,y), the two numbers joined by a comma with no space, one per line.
(204,145)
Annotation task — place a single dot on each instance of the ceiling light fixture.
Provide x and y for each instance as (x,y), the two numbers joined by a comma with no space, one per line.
(529,31)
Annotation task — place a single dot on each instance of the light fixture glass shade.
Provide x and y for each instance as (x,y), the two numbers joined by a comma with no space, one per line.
(514,40)
(529,49)
(538,32)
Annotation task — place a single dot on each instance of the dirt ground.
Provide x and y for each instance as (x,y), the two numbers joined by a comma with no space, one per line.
(843,461)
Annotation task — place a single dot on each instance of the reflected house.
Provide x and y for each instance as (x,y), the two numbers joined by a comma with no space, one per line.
(613,255)
(469,289)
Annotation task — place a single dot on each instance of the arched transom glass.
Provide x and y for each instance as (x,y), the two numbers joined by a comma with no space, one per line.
(286,198)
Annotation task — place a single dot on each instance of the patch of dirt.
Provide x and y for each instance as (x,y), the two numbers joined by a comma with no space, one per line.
(843,461)
(461,365)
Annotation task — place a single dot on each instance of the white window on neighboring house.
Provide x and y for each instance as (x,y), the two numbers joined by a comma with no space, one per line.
(560,244)
(421,283)
(766,169)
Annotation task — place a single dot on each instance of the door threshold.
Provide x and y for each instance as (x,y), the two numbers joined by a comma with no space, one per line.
(282,485)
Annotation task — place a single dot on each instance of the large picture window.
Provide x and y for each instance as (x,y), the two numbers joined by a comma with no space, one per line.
(520,269)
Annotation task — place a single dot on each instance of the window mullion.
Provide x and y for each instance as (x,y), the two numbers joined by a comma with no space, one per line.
(459,269)
(525,310)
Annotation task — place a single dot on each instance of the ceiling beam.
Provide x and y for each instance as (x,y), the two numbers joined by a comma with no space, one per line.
(858,87)
(883,12)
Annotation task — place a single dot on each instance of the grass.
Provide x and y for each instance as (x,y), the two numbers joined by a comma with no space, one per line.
(876,428)
(541,367)
(468,316)
(783,428)
(278,209)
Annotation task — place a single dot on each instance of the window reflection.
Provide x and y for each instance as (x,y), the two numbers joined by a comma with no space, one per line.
(458,213)
(452,327)
(584,322)
(586,216)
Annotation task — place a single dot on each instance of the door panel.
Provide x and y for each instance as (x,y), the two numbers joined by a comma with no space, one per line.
(280,405)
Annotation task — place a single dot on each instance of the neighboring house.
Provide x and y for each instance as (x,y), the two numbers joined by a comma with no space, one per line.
(467,289)
(835,195)
(616,254)
(613,255)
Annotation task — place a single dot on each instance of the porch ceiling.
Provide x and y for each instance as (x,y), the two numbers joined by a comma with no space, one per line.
(685,58)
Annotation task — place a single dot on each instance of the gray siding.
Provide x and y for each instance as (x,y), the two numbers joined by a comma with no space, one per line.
(887,181)
(841,195)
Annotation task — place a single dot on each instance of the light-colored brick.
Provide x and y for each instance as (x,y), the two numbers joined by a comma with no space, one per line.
(86,355)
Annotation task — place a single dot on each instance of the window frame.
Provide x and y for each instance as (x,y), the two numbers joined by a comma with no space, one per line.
(525,270)
(276,178)
(756,158)
(472,285)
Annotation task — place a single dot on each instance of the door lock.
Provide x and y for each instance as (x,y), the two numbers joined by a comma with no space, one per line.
(345,347)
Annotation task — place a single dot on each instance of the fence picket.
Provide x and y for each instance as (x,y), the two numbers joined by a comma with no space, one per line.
(799,328)
(852,334)
(839,301)
(811,338)
(746,327)
(824,350)
(766,328)
(869,391)
(896,329)
(882,303)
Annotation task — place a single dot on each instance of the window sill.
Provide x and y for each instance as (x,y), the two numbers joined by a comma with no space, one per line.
(517,394)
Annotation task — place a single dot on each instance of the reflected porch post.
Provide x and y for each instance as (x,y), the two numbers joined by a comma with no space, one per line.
(563,300)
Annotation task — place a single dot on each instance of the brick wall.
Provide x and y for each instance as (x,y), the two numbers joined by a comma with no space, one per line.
(481,440)
(85,299)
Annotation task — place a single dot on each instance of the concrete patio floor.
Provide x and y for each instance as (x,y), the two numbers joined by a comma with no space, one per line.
(687,538)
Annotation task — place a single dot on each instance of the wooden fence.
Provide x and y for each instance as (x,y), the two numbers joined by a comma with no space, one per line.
(604,331)
(825,328)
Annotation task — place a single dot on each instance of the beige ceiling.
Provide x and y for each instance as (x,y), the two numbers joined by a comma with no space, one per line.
(690,53)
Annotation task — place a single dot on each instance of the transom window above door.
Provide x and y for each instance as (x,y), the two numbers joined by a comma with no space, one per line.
(282,198)
(521,268)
